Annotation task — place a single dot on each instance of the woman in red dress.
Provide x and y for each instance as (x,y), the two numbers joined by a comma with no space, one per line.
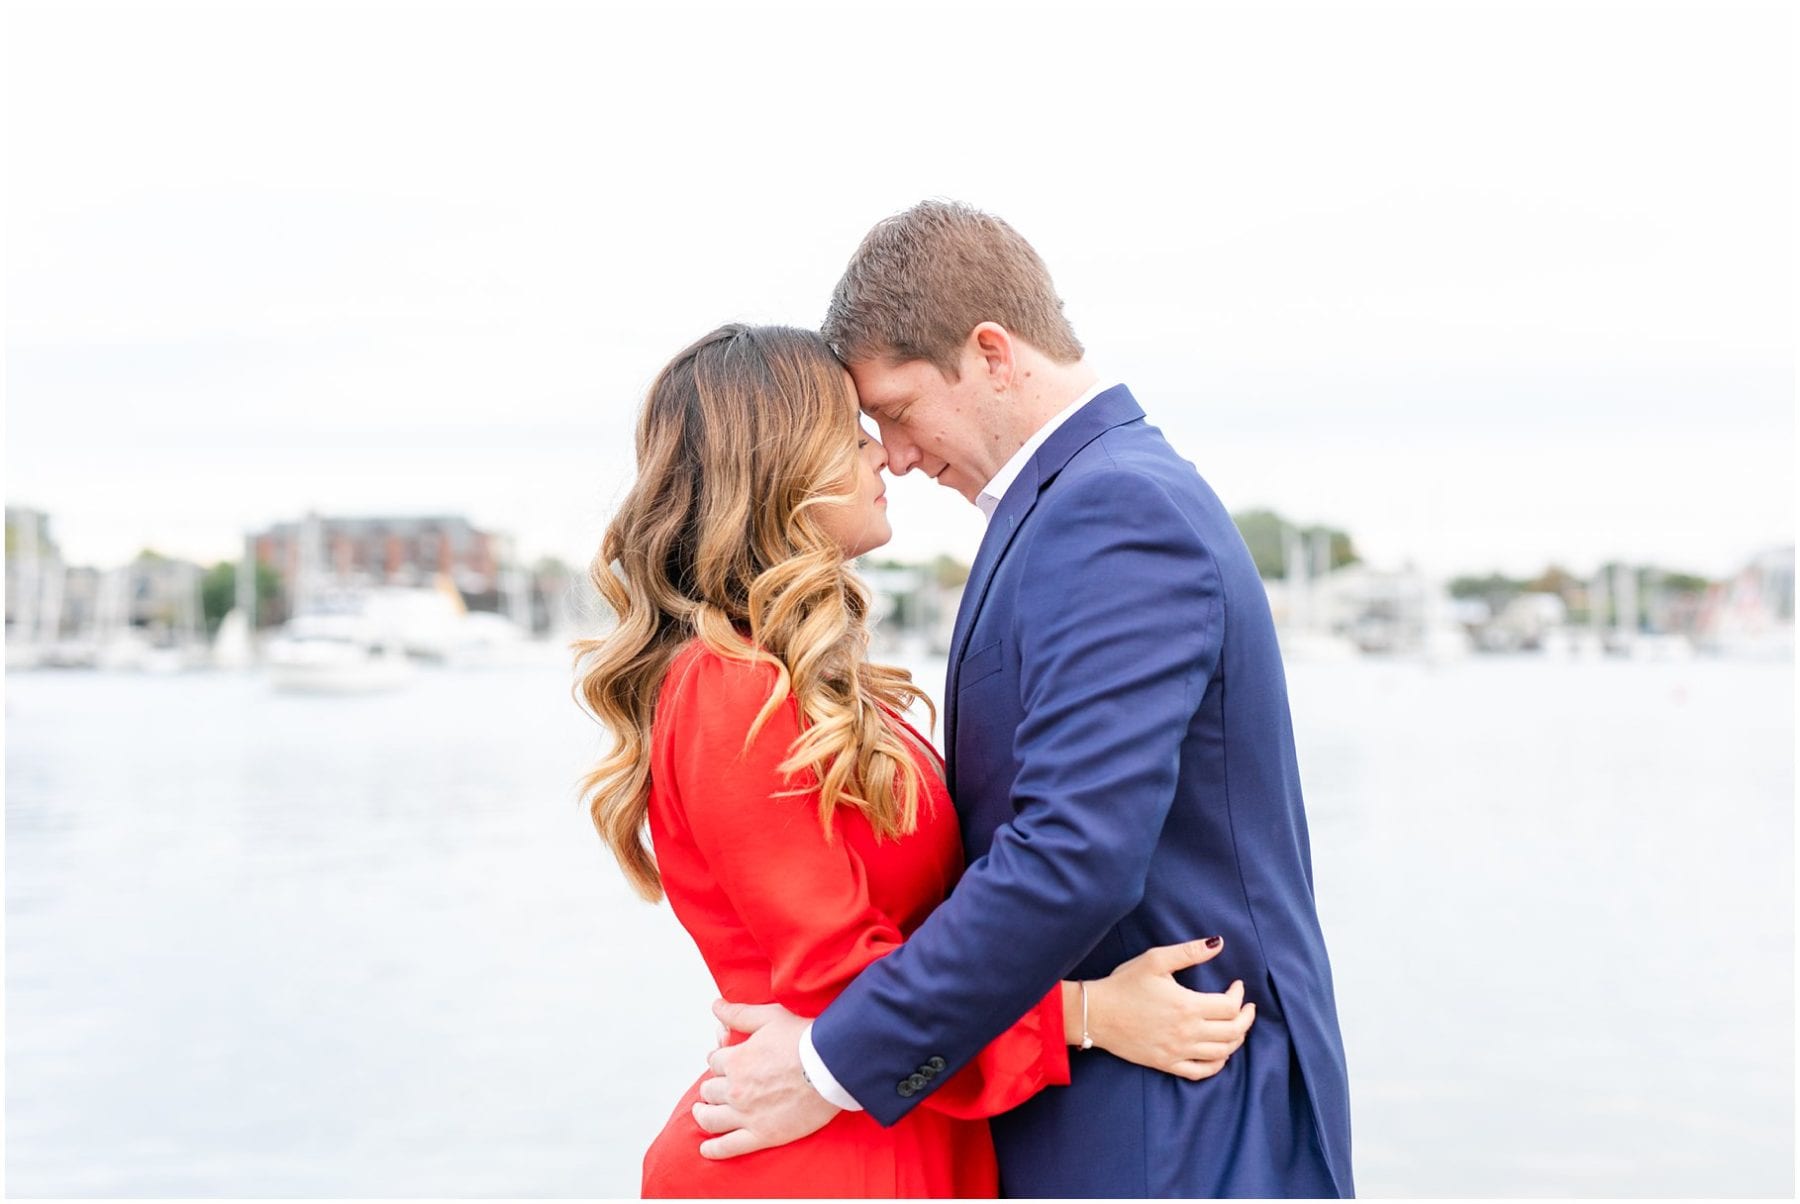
(763,778)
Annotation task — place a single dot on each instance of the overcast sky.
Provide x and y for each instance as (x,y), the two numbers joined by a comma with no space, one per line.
(1486,285)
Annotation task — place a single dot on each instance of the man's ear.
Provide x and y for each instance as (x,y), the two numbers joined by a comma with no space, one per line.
(989,352)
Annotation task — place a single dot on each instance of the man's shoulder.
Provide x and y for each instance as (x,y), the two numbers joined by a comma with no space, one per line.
(1117,503)
(1130,483)
(1132,465)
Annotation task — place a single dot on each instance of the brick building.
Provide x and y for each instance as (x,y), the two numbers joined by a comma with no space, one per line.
(331,553)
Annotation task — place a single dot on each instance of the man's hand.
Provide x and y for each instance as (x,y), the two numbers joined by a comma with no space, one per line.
(758,1098)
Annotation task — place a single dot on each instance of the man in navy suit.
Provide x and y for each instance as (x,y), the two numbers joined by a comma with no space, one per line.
(1119,748)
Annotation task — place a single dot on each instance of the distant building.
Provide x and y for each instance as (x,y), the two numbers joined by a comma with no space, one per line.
(62,614)
(33,562)
(1358,608)
(162,596)
(335,553)
(1752,612)
(564,604)
(916,602)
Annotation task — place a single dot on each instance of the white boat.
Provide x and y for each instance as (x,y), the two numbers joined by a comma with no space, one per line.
(233,647)
(336,653)
(1303,644)
(491,641)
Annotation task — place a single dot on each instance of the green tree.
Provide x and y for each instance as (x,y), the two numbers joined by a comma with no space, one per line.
(1265,534)
(1496,589)
(16,520)
(551,564)
(1555,580)
(948,571)
(218,592)
(1685,583)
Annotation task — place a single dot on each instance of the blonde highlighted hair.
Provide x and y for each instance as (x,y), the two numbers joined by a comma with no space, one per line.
(741,437)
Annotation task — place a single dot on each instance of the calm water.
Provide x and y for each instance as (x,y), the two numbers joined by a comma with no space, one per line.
(276,946)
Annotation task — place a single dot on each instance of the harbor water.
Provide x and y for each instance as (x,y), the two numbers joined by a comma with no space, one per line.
(261,944)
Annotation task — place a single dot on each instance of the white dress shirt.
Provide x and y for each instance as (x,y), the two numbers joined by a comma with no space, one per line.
(821,1078)
(991,493)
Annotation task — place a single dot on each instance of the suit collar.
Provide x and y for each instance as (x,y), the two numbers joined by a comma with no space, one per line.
(994,490)
(1112,408)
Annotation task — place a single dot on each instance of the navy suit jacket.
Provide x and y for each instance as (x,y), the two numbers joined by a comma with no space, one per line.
(1122,759)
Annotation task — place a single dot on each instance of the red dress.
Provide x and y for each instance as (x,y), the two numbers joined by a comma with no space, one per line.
(781,915)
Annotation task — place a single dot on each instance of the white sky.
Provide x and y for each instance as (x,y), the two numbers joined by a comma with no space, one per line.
(1487,285)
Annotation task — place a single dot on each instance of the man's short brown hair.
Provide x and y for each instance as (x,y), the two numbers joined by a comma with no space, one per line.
(923,279)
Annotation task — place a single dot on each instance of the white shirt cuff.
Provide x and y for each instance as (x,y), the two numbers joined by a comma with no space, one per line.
(822,1079)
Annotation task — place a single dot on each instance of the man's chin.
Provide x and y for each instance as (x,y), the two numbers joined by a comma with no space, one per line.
(943,478)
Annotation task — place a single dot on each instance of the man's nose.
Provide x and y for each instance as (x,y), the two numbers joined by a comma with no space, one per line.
(902,454)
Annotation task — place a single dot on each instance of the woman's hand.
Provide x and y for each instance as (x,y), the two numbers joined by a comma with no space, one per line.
(1141,1014)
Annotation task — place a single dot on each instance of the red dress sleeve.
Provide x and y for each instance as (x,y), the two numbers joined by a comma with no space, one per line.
(805,899)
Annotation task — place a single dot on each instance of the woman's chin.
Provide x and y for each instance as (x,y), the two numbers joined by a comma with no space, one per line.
(875,539)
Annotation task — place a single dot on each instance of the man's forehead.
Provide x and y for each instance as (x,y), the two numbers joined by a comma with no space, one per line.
(879,382)
(872,395)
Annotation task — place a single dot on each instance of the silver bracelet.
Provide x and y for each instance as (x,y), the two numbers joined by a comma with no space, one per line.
(1087,1042)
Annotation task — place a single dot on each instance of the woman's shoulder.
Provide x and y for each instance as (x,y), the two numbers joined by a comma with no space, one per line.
(711,710)
(702,676)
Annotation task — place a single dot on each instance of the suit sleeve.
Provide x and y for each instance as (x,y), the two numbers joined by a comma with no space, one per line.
(805,899)
(1125,624)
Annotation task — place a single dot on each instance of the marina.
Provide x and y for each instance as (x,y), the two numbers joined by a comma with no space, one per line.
(272,943)
(339,336)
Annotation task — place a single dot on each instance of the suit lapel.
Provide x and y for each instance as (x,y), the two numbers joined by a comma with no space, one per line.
(1115,407)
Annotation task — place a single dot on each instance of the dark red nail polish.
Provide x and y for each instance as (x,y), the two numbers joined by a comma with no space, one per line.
(1213,942)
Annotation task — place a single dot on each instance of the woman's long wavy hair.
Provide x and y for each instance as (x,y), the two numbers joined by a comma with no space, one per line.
(742,437)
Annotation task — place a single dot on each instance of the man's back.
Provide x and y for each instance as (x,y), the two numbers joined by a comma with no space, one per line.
(1229,857)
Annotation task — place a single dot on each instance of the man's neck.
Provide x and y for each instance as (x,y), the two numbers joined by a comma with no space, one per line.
(1044,389)
(1056,390)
